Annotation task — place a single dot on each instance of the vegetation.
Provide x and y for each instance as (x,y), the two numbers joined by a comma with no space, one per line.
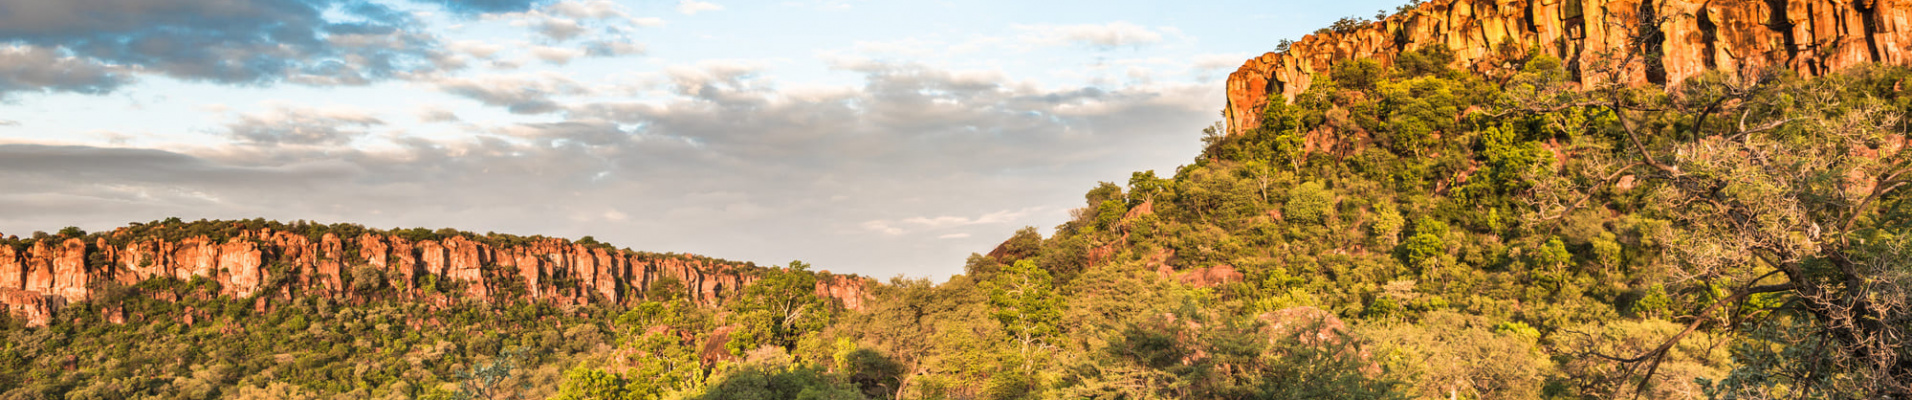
(1403,231)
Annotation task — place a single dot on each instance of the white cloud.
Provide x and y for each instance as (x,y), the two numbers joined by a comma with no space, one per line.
(954,236)
(595,9)
(737,74)
(556,55)
(560,29)
(882,226)
(291,125)
(911,224)
(998,217)
(518,93)
(8,122)
(475,48)
(692,7)
(613,48)
(431,113)
(505,64)
(566,20)
(1104,36)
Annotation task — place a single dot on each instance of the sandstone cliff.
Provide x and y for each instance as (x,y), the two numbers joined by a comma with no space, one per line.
(37,277)
(1644,41)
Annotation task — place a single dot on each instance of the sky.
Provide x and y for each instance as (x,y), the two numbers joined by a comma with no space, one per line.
(876,137)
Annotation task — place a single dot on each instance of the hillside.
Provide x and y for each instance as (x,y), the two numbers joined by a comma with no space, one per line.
(1410,220)
(263,309)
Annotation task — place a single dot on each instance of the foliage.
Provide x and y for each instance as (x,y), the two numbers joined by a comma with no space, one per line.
(1026,305)
(779,310)
(1308,203)
(1534,235)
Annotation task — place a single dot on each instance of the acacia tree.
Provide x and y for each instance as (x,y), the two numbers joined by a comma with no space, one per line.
(1787,200)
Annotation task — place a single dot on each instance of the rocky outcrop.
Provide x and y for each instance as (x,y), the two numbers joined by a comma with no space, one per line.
(34,308)
(37,278)
(1646,42)
(848,289)
(48,268)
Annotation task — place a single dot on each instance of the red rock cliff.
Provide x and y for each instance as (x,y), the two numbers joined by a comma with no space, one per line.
(1813,37)
(37,280)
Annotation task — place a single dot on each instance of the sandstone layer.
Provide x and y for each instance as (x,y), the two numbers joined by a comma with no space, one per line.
(37,279)
(1642,42)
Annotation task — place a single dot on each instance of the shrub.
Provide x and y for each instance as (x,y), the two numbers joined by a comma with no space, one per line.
(1308,203)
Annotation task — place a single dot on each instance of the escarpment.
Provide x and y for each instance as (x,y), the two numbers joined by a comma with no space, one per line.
(38,277)
(1633,41)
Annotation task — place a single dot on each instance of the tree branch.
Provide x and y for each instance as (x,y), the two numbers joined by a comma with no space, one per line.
(1635,138)
(1658,354)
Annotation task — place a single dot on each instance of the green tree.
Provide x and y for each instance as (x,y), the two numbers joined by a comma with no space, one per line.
(667,365)
(1144,187)
(1026,304)
(591,384)
(778,378)
(665,289)
(1308,203)
(780,308)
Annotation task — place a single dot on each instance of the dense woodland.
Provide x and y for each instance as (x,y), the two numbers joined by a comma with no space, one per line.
(1408,231)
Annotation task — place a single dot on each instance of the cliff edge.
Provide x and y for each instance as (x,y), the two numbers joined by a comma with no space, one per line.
(1639,41)
(39,276)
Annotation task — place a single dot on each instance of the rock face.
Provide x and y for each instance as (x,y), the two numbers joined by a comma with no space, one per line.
(37,279)
(848,289)
(34,308)
(1677,40)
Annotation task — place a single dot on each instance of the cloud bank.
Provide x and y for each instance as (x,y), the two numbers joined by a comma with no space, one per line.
(921,164)
(96,46)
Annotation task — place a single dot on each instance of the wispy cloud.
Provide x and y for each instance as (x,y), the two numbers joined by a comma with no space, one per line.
(912,224)
(885,227)
(431,113)
(692,7)
(596,9)
(1103,36)
(556,55)
(571,19)
(519,93)
(303,126)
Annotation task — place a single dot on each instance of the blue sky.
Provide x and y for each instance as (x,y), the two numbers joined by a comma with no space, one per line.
(863,136)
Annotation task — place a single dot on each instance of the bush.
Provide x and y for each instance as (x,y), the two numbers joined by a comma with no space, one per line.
(1308,203)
